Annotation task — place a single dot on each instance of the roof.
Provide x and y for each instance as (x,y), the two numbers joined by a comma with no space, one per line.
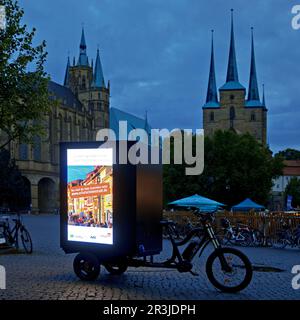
(202,203)
(254,104)
(98,81)
(65,94)
(211,105)
(292,168)
(247,205)
(232,85)
(133,122)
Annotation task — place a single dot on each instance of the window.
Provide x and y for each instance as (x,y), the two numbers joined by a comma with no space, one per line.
(23,151)
(83,82)
(231,116)
(232,97)
(212,117)
(37,154)
(253,117)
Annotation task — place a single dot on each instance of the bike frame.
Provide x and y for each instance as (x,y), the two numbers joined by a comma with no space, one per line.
(205,234)
(14,232)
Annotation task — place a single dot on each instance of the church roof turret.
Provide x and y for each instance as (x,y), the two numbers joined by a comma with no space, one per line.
(98,78)
(83,58)
(212,94)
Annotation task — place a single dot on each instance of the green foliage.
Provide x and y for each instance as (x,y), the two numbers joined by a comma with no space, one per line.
(24,97)
(236,167)
(289,154)
(13,191)
(293,189)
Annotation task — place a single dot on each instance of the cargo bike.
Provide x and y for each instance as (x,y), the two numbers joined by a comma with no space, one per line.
(133,235)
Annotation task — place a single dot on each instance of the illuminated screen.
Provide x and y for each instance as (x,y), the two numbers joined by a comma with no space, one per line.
(90,195)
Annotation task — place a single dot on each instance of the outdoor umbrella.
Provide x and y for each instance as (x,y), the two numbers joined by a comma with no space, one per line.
(247,205)
(204,204)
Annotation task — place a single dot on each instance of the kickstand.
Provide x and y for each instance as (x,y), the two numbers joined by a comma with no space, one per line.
(194,273)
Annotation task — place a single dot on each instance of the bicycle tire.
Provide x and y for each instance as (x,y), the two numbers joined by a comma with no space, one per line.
(26,240)
(247,266)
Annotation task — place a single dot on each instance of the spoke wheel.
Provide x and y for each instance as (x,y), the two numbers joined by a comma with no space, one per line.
(238,274)
(86,266)
(26,240)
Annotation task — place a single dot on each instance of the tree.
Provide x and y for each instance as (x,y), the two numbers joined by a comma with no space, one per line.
(13,191)
(236,167)
(293,189)
(24,97)
(289,154)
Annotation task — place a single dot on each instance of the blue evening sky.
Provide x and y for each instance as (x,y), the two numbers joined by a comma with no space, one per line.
(78,172)
(156,54)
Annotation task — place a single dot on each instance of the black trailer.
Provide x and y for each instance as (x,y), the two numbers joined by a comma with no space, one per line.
(111,215)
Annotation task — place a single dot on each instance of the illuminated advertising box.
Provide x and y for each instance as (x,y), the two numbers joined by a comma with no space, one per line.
(90,185)
(106,207)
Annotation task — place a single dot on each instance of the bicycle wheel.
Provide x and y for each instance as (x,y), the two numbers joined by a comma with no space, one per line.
(86,266)
(280,243)
(246,241)
(239,273)
(117,268)
(26,240)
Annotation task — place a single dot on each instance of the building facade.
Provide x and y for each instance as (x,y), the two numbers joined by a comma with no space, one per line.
(290,170)
(82,109)
(232,109)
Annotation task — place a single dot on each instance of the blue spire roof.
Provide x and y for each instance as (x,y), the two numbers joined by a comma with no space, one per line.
(67,75)
(232,78)
(212,94)
(263,98)
(253,93)
(98,80)
(83,58)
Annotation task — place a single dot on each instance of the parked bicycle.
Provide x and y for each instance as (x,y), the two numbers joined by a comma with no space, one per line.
(239,235)
(287,237)
(12,235)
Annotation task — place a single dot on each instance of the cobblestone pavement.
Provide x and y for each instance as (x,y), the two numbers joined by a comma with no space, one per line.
(48,274)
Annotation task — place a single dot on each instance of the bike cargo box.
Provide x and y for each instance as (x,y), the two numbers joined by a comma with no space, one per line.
(108,208)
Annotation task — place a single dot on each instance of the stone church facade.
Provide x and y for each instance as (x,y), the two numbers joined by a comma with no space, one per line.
(232,109)
(82,110)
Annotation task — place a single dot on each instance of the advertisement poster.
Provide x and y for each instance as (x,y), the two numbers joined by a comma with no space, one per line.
(90,195)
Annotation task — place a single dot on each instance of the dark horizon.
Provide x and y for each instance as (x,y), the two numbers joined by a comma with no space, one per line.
(156,54)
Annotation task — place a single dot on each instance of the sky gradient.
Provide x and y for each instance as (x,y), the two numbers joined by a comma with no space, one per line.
(156,54)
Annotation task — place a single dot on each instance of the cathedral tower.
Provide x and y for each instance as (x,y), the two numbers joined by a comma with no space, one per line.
(235,111)
(88,84)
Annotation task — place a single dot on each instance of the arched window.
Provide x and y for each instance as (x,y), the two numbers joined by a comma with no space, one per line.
(83,82)
(253,117)
(231,116)
(212,117)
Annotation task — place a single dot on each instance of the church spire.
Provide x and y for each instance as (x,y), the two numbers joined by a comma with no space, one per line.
(98,74)
(263,97)
(83,58)
(232,72)
(232,78)
(253,93)
(67,74)
(212,95)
